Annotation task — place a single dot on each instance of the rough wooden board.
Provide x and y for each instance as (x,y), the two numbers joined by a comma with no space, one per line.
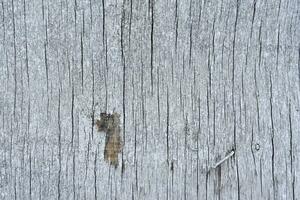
(192,80)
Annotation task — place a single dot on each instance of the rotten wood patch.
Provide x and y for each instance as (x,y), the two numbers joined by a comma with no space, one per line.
(110,124)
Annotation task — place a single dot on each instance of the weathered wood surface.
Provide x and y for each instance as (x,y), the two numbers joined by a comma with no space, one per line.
(193,80)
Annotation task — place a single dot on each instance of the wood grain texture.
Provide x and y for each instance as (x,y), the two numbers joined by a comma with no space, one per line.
(192,80)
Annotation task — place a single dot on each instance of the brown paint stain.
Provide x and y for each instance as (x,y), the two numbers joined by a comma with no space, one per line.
(110,124)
